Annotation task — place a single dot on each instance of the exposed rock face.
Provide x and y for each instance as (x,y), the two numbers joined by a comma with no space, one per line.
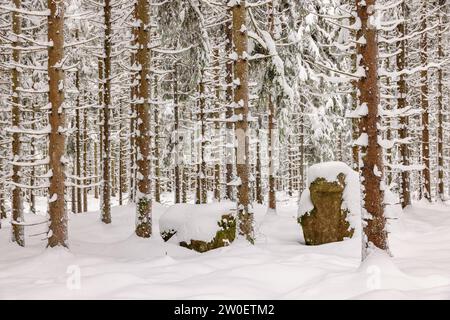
(226,233)
(326,222)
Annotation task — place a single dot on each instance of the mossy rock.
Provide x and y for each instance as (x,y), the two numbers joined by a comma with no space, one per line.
(327,221)
(224,236)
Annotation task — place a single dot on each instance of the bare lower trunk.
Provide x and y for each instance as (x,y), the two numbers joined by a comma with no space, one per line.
(56,207)
(440,114)
(259,197)
(156,154)
(229,113)
(176,111)
(85,154)
(143,138)
(106,160)
(405,197)
(241,99)
(425,106)
(16,201)
(270,138)
(372,157)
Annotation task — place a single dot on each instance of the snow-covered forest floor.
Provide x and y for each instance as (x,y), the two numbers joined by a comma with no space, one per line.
(113,263)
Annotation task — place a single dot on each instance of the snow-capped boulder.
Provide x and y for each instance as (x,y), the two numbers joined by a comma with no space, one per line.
(329,209)
(200,227)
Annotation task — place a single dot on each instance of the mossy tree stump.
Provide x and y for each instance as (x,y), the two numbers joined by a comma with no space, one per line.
(226,233)
(326,222)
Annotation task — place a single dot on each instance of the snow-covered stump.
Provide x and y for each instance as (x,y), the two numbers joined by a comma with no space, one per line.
(200,227)
(329,209)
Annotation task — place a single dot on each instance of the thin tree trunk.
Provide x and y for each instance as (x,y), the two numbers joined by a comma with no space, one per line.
(122,184)
(106,160)
(270,138)
(229,112)
(157,153)
(241,100)
(217,132)
(404,120)
(259,197)
(425,105)
(85,169)
(177,135)
(78,143)
(372,157)
(16,201)
(271,125)
(33,168)
(96,169)
(440,113)
(302,150)
(56,207)
(143,139)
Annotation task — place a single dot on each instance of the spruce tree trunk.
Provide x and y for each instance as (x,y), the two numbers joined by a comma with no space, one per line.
(271,125)
(440,137)
(56,207)
(78,143)
(259,197)
(217,130)
(177,135)
(16,201)
(203,185)
(106,160)
(372,157)
(405,197)
(143,138)
(270,137)
(85,168)
(241,100)
(229,111)
(157,153)
(425,105)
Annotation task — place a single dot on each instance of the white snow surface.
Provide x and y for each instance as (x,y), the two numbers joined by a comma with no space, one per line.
(113,263)
(194,221)
(351,195)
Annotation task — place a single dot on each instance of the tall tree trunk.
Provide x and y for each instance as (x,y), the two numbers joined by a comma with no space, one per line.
(217,132)
(229,111)
(259,197)
(241,99)
(78,143)
(372,157)
(177,135)
(271,124)
(157,153)
(33,168)
(143,138)
(270,138)
(440,111)
(302,150)
(405,197)
(85,154)
(56,207)
(122,184)
(16,201)
(106,160)
(425,104)
(133,111)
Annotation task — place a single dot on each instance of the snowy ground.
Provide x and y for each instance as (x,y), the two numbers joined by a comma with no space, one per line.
(113,263)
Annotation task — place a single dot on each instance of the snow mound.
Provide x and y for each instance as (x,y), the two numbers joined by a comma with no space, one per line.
(351,195)
(194,221)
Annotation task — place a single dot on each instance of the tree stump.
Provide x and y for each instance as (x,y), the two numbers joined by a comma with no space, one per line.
(327,221)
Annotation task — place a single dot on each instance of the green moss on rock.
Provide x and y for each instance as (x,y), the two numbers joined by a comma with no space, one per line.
(224,236)
(327,221)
